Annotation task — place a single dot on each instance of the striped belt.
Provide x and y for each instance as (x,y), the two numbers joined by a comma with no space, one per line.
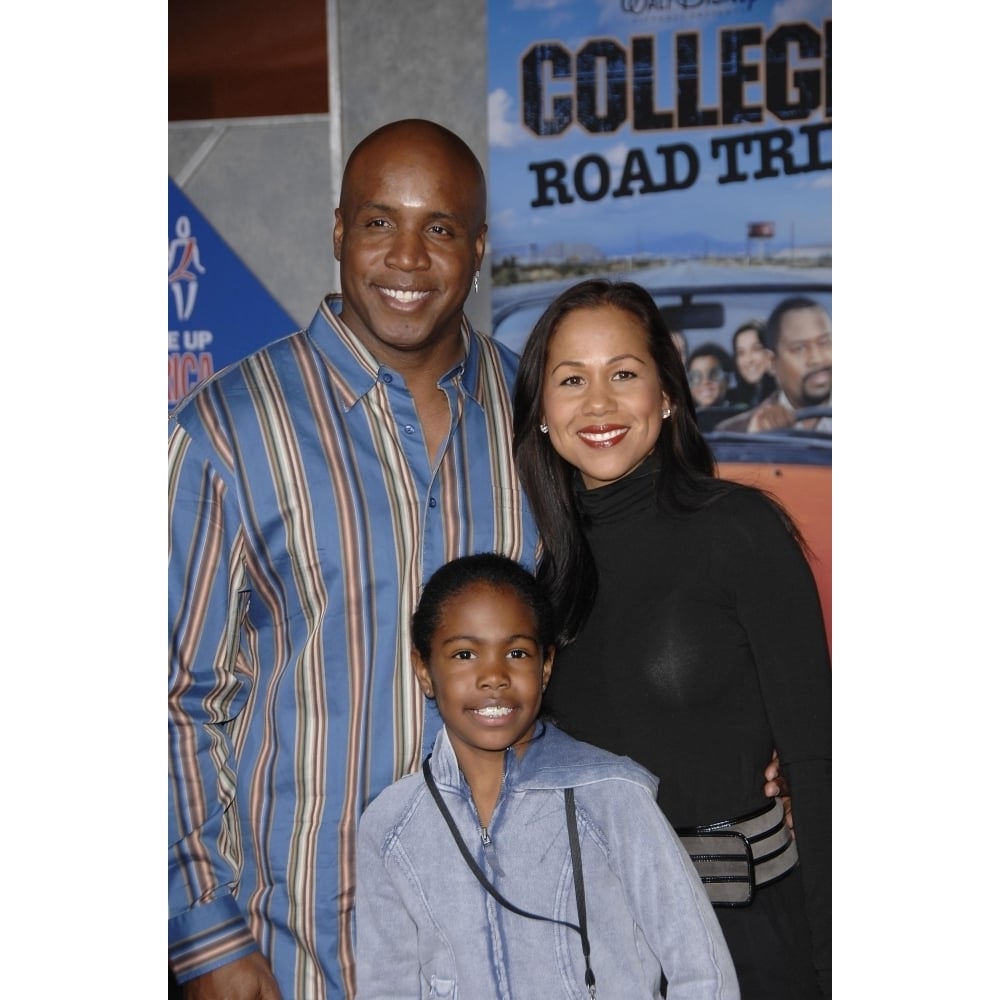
(736,857)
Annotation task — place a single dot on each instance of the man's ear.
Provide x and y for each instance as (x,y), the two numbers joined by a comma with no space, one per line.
(480,245)
(338,233)
(423,674)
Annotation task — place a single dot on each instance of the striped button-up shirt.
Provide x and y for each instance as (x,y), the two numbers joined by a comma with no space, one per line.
(305,516)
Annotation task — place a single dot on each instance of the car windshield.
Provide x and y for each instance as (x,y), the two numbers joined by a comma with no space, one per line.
(744,293)
(707,304)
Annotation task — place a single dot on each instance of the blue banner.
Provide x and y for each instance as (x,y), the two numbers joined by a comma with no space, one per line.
(218,311)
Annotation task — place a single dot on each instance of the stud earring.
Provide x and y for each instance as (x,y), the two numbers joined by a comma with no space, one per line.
(475,282)
(544,428)
(666,413)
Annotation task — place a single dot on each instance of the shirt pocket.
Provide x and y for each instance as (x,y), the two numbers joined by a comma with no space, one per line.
(437,987)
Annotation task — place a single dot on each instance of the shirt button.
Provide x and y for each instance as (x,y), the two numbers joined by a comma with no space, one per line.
(433,502)
(409,428)
(386,377)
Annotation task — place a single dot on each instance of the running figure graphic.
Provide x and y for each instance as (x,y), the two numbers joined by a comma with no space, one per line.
(183,281)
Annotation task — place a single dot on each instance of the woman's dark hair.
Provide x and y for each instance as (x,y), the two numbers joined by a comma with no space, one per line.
(686,480)
(485,567)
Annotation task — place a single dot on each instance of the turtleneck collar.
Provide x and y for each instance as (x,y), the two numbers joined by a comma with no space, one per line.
(623,497)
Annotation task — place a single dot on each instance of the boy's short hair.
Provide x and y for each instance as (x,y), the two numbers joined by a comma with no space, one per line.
(485,567)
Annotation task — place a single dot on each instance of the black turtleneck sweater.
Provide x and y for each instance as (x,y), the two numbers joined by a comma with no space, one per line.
(706,649)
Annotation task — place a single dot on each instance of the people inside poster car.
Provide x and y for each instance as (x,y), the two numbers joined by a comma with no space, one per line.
(709,369)
(752,361)
(799,333)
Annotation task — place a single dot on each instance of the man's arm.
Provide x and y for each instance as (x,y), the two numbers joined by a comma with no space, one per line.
(206,924)
(770,417)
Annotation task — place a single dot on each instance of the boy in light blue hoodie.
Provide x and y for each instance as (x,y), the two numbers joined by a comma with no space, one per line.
(521,864)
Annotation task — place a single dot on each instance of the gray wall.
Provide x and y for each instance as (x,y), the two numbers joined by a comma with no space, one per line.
(269,186)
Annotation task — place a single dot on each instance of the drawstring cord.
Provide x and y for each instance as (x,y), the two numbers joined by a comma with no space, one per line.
(574,849)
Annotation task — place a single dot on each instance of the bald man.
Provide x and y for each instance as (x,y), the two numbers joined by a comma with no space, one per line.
(314,486)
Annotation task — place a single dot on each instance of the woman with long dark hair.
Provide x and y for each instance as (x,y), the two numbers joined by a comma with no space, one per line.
(691,634)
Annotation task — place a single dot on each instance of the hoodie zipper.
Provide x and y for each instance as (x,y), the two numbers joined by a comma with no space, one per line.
(489,849)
